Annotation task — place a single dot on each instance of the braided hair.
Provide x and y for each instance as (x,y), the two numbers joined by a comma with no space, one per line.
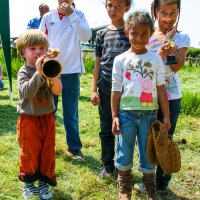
(156,3)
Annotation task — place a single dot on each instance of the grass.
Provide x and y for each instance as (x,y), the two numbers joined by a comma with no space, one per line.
(78,180)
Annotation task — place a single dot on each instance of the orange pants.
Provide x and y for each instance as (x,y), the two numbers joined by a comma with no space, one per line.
(36,138)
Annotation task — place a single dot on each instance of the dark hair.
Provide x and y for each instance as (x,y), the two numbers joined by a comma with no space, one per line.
(140,17)
(128,2)
(42,5)
(156,3)
(73,4)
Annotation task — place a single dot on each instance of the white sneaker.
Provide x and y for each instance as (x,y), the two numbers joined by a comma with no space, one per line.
(104,173)
(45,192)
(30,194)
(139,187)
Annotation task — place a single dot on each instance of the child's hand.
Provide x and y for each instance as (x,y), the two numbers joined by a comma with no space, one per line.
(115,126)
(167,124)
(171,32)
(52,53)
(38,65)
(165,50)
(66,9)
(95,99)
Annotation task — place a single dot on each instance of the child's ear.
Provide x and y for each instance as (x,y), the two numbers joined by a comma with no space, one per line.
(126,32)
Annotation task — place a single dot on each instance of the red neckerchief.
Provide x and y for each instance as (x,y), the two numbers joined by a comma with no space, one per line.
(60,15)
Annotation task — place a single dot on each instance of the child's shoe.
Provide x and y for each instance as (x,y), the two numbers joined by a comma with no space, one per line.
(45,192)
(139,187)
(104,173)
(125,187)
(30,192)
(150,188)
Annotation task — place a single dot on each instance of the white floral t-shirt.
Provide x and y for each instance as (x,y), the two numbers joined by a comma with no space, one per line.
(137,77)
(172,81)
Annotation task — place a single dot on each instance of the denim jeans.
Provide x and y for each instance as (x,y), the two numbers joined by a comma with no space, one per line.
(106,136)
(174,108)
(1,84)
(70,94)
(134,124)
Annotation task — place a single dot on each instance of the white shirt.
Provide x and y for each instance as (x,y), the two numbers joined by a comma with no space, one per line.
(67,34)
(137,77)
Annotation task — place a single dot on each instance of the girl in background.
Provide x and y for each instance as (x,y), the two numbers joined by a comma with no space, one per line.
(167,14)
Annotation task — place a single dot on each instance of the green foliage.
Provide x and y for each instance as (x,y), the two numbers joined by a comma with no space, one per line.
(189,71)
(89,61)
(78,179)
(89,65)
(1,58)
(191,104)
(189,77)
(16,63)
(193,52)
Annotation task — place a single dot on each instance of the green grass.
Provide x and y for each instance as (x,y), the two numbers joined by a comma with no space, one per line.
(78,180)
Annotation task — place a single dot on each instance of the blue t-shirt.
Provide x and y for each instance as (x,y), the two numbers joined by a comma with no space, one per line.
(34,23)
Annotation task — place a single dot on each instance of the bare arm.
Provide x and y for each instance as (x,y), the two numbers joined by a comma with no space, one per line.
(115,99)
(96,76)
(162,97)
(180,55)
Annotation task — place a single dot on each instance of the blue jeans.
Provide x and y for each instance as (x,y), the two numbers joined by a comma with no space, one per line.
(132,124)
(70,94)
(106,135)
(1,85)
(174,108)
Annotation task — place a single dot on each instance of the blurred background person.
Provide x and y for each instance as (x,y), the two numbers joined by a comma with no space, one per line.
(35,22)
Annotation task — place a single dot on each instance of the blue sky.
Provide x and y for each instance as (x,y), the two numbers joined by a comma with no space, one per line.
(23,10)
